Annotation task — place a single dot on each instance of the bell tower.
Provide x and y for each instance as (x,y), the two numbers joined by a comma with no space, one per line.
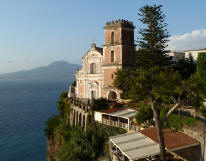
(118,50)
(119,45)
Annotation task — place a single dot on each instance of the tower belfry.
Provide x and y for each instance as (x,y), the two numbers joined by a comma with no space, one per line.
(119,39)
(118,52)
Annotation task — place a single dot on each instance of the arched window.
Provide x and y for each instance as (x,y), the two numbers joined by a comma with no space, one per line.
(112,56)
(112,38)
(93,69)
(93,94)
(112,96)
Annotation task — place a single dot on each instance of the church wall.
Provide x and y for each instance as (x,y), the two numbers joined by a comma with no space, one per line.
(108,80)
(117,35)
(100,79)
(117,53)
(81,89)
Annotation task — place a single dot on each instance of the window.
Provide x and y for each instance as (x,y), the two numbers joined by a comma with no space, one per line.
(128,50)
(93,94)
(112,76)
(112,38)
(112,56)
(93,68)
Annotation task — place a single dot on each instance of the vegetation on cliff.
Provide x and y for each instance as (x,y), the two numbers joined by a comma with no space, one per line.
(74,143)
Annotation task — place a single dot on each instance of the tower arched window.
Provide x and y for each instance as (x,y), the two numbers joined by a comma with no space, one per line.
(93,68)
(112,56)
(112,38)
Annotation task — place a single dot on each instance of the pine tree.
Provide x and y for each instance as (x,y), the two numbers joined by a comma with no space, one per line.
(154,38)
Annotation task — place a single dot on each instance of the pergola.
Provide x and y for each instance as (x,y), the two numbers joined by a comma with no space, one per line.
(121,118)
(132,147)
(143,145)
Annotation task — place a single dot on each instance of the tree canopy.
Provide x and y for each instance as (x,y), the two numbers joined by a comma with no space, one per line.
(201,66)
(153,38)
(154,82)
(185,67)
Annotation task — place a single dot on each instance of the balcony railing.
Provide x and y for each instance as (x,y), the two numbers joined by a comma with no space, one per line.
(120,124)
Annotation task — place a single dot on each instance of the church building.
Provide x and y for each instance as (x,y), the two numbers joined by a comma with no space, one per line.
(96,77)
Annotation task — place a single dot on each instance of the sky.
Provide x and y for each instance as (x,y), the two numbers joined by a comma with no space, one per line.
(38,32)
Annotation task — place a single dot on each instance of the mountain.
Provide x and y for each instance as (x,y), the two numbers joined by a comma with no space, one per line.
(59,70)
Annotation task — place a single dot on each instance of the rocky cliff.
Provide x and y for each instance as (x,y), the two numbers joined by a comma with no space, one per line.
(53,146)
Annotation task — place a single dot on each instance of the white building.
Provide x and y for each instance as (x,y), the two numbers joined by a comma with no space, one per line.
(194,53)
(119,117)
(176,56)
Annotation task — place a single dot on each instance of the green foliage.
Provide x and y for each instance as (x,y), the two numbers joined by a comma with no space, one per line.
(99,104)
(203,110)
(153,38)
(57,123)
(51,124)
(201,66)
(74,83)
(81,146)
(186,67)
(123,81)
(162,85)
(177,121)
(62,103)
(145,114)
(193,91)
(63,130)
(89,144)
(189,121)
(107,131)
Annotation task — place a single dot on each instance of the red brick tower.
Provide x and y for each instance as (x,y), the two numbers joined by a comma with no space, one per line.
(118,52)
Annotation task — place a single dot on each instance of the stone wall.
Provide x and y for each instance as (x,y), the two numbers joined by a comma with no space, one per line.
(189,154)
(198,132)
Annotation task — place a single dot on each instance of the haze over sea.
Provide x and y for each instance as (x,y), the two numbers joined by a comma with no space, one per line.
(24,107)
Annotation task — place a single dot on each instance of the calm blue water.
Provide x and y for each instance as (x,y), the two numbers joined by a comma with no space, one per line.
(24,107)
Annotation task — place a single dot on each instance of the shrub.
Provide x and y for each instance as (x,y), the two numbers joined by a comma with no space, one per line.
(90,144)
(51,124)
(61,103)
(145,114)
(177,121)
(74,83)
(99,104)
(201,65)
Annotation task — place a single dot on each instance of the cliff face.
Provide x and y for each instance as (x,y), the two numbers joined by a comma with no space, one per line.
(68,143)
(53,146)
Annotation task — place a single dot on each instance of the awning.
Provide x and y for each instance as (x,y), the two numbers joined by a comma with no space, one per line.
(135,145)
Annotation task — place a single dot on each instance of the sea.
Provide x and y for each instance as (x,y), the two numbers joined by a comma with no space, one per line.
(24,108)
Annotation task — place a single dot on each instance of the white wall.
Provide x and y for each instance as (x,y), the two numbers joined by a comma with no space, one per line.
(194,53)
(97,116)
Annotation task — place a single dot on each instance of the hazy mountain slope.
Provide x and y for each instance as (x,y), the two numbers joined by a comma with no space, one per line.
(60,70)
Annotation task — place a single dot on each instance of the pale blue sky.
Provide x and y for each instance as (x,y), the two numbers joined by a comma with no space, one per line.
(37,32)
